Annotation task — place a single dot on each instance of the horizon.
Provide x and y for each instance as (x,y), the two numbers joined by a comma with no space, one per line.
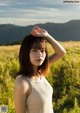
(24,13)
(39,23)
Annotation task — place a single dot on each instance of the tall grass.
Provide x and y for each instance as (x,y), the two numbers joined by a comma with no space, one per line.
(65,78)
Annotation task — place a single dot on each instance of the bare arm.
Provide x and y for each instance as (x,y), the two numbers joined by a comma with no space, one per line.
(20,93)
(59,50)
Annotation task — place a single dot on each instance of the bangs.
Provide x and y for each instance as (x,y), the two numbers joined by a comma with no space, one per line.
(39,44)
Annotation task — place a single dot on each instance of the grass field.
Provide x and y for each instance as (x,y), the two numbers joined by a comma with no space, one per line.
(65,80)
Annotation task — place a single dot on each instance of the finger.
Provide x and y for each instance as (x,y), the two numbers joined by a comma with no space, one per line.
(35,33)
(36,28)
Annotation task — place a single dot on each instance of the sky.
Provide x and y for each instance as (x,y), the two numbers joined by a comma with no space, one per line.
(30,12)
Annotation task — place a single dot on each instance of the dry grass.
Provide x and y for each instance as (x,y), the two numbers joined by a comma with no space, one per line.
(70,44)
(15,48)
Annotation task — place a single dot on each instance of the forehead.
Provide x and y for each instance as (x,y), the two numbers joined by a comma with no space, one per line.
(39,44)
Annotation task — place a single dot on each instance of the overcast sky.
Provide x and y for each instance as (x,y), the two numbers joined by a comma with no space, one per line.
(29,12)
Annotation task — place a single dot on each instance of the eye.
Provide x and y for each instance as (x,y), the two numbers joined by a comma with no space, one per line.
(34,50)
(42,50)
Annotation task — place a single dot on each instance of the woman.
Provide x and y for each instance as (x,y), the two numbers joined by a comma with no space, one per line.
(32,92)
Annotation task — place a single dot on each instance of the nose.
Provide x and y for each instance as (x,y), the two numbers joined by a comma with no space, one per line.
(39,54)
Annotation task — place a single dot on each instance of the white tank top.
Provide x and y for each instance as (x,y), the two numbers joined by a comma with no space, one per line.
(40,99)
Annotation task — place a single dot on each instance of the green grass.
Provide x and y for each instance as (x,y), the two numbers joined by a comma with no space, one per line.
(65,78)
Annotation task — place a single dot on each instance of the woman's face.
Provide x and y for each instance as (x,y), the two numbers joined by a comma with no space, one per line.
(37,56)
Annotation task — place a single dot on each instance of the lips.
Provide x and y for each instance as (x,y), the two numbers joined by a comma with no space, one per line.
(39,60)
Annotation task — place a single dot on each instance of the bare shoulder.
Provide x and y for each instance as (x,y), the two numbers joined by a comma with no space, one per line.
(21,79)
(18,79)
(21,83)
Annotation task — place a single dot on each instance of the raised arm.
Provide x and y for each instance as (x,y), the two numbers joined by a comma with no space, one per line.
(59,50)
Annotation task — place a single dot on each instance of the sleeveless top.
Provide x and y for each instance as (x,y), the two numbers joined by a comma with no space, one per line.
(40,99)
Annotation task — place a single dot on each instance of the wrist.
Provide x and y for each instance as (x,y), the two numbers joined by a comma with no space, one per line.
(48,36)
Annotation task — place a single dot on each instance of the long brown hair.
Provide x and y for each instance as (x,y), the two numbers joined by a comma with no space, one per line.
(28,42)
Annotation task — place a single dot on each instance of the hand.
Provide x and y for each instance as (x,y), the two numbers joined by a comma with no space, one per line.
(39,32)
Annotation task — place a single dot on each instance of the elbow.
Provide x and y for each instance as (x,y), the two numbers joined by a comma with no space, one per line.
(63,52)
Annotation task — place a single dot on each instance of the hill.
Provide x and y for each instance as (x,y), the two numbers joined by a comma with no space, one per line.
(10,33)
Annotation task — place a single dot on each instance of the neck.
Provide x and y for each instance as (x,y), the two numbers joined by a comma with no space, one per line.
(36,76)
(35,71)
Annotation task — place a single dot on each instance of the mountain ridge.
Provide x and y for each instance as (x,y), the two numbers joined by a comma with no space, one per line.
(10,33)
